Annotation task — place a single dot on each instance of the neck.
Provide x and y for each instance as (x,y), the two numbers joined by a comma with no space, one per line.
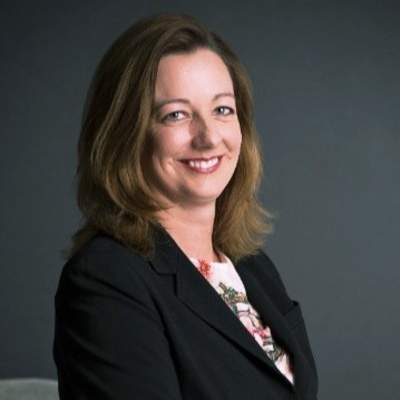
(192,230)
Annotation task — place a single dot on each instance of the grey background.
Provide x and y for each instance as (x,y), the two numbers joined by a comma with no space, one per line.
(326,88)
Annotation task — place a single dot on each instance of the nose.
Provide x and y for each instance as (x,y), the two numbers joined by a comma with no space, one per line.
(205,132)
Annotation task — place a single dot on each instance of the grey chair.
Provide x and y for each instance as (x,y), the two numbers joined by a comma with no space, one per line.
(28,389)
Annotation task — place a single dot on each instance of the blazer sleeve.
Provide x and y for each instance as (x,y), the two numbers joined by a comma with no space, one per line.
(109,341)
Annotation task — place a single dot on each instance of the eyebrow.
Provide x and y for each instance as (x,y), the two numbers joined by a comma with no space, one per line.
(162,103)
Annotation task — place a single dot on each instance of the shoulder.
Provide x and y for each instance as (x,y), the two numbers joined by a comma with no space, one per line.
(103,264)
(104,255)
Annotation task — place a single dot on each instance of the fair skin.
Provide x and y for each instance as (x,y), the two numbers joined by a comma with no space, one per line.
(204,125)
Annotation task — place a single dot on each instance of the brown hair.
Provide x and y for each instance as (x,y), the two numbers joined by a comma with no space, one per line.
(112,193)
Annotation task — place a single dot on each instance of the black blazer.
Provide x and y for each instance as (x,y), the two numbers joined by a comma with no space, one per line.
(128,327)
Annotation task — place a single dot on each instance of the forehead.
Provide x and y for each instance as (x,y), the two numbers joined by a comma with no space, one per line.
(201,71)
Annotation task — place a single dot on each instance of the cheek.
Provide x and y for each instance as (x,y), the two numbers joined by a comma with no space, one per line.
(236,137)
(239,139)
(169,147)
(168,144)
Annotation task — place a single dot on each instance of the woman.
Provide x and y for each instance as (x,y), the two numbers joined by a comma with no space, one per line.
(166,293)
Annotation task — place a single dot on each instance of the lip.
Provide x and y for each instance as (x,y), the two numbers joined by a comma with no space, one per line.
(202,159)
(204,171)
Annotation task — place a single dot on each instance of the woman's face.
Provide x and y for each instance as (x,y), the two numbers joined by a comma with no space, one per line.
(194,118)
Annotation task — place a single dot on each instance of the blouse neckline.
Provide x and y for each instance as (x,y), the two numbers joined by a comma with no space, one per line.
(226,262)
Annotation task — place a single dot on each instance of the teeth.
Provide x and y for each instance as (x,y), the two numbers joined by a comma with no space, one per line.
(203,164)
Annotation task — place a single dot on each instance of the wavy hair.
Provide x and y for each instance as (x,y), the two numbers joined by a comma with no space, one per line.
(112,193)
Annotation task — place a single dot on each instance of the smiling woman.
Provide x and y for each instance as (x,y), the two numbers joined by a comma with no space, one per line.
(169,89)
(166,292)
(196,135)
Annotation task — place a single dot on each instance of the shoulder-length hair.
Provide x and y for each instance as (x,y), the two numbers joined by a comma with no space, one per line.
(112,192)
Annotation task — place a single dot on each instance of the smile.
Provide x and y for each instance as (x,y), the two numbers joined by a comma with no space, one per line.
(203,167)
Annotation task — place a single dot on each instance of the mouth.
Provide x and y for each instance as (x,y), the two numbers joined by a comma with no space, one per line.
(203,165)
(202,158)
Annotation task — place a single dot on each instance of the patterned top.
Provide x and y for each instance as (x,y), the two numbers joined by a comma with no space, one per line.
(226,281)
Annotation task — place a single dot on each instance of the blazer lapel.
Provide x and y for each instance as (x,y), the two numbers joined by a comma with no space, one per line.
(257,293)
(198,294)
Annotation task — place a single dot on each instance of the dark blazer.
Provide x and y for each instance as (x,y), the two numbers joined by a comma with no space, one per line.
(128,327)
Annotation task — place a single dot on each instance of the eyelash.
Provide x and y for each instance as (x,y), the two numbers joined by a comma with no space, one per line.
(166,118)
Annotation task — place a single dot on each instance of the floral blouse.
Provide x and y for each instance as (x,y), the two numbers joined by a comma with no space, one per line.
(226,281)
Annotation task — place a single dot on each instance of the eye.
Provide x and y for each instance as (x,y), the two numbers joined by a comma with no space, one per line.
(173,116)
(226,110)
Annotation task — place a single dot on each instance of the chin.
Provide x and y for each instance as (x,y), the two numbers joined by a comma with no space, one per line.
(205,194)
